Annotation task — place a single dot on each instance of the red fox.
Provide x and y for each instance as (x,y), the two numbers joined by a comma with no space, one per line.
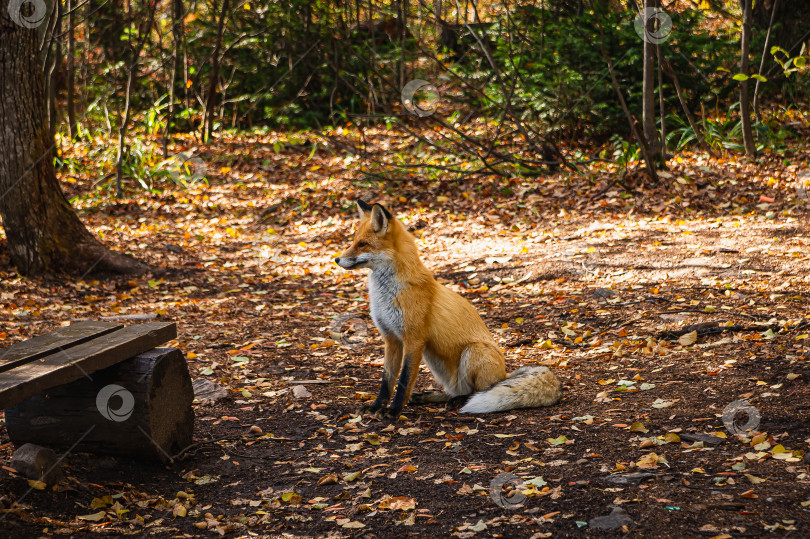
(419,318)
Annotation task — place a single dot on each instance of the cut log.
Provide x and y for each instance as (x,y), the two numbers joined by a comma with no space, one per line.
(138,408)
(64,365)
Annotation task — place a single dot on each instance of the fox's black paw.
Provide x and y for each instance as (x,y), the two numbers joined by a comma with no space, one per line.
(392,414)
(371,409)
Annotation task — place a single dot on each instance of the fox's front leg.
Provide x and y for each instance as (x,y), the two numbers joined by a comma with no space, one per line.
(412,358)
(393,362)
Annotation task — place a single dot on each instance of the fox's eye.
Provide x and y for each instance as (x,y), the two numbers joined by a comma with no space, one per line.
(362,244)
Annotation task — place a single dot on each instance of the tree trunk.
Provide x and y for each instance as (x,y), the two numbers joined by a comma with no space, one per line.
(52,65)
(745,104)
(71,74)
(635,129)
(765,53)
(208,125)
(695,128)
(661,109)
(135,53)
(177,37)
(648,88)
(44,234)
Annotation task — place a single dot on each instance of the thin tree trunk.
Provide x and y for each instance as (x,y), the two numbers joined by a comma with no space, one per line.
(437,14)
(745,104)
(52,65)
(403,14)
(648,89)
(762,60)
(661,106)
(695,128)
(44,234)
(634,127)
(70,68)
(208,123)
(177,36)
(132,73)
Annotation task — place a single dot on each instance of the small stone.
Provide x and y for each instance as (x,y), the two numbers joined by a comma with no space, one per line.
(255,429)
(617,518)
(300,392)
(38,463)
(601,293)
(206,390)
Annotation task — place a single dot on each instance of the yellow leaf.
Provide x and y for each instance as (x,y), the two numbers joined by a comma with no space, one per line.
(179,510)
(754,479)
(191,355)
(648,461)
(638,426)
(330,479)
(403,503)
(372,438)
(99,503)
(95,517)
(351,477)
(559,440)
(688,338)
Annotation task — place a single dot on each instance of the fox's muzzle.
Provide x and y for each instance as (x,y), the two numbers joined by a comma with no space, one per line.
(347,263)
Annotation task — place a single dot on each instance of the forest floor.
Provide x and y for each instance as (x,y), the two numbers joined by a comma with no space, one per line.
(567,270)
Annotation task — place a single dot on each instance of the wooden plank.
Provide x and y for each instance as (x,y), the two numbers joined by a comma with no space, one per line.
(59,339)
(82,360)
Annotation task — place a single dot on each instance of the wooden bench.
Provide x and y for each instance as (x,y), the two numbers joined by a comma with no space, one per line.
(99,387)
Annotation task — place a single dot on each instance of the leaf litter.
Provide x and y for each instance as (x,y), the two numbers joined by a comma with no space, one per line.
(568,272)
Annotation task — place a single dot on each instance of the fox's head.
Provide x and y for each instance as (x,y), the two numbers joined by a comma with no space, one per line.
(373,243)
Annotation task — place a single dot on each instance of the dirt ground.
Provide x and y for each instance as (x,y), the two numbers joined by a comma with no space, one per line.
(599,282)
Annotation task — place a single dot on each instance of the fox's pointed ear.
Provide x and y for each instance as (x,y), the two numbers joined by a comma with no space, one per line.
(379,219)
(363,208)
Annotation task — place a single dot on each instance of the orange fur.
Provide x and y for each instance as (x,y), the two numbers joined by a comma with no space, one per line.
(419,318)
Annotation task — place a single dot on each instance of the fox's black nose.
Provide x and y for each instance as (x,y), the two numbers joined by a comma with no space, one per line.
(337,260)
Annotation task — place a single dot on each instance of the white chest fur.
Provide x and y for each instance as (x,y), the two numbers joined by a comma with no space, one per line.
(383,287)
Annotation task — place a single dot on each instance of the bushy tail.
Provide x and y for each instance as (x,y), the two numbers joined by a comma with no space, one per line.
(526,387)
